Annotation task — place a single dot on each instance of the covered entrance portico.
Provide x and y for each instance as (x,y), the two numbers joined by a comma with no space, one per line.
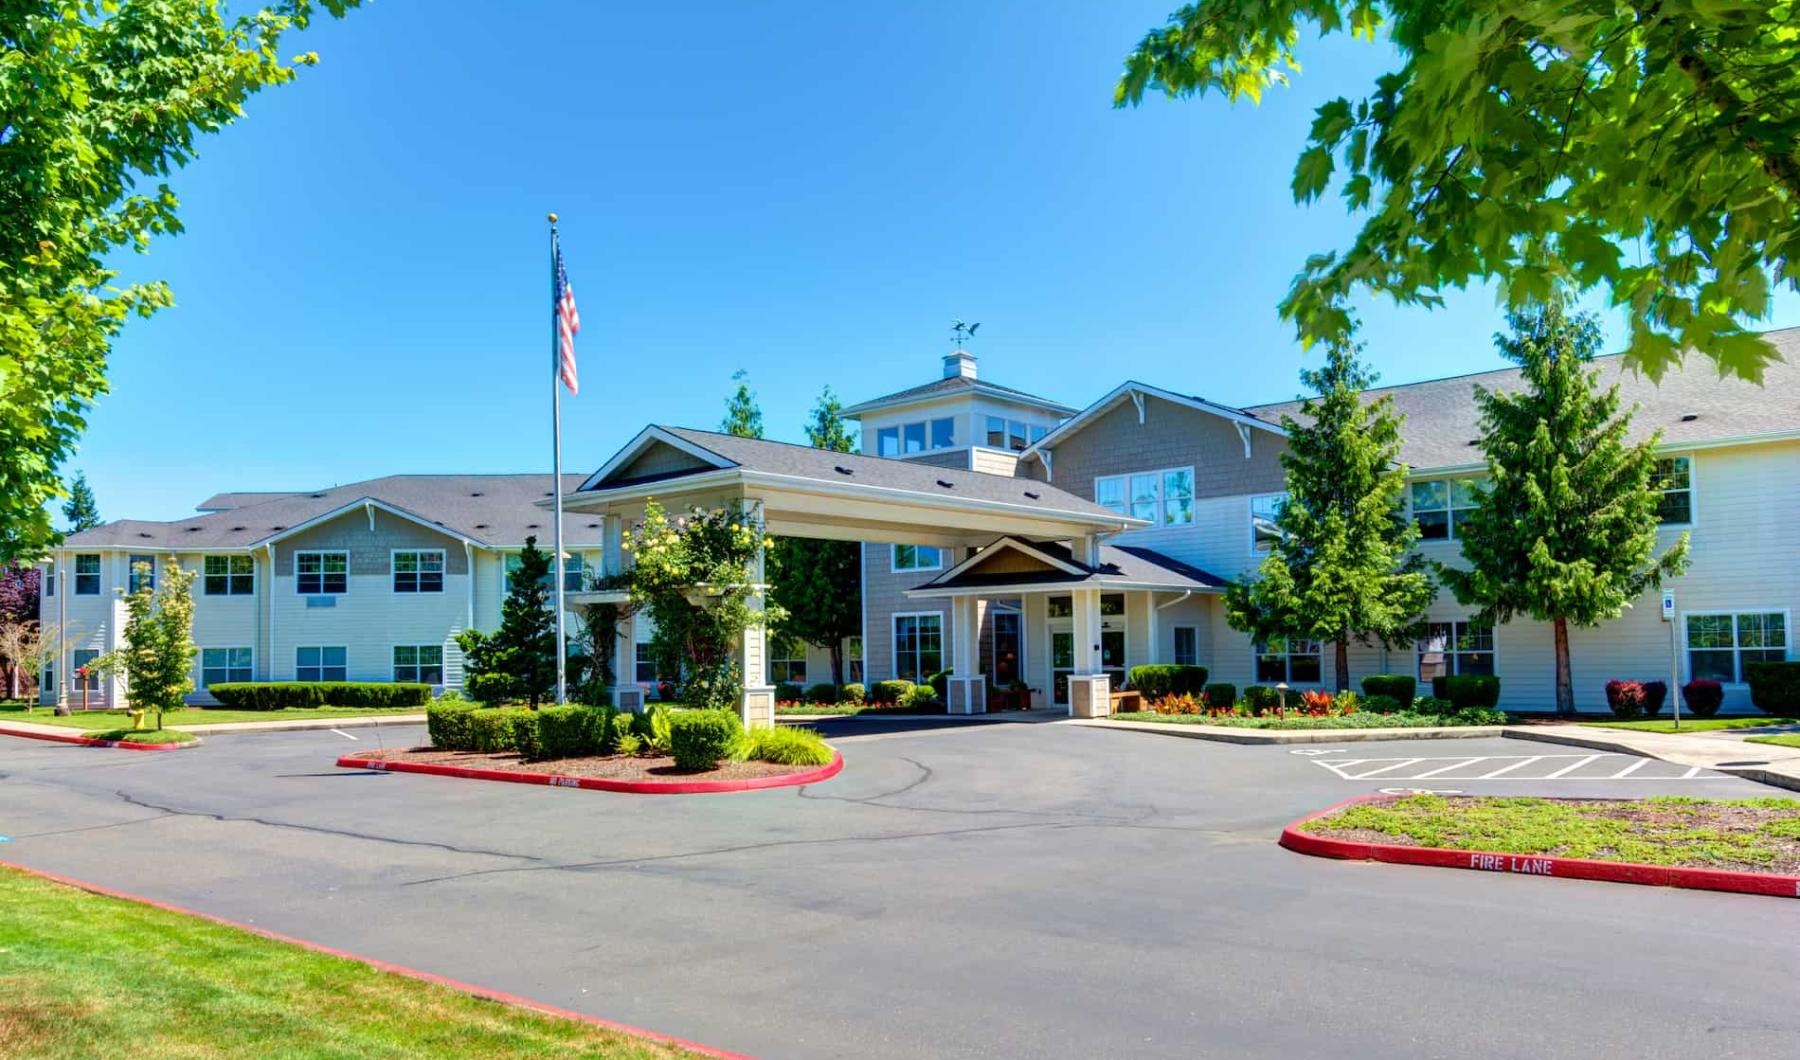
(797,491)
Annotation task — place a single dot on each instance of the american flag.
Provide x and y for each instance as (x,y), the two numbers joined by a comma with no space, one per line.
(568,325)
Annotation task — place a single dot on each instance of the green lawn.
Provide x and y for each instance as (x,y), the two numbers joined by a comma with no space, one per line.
(1298,722)
(156,736)
(1743,834)
(82,975)
(1787,739)
(1687,724)
(113,719)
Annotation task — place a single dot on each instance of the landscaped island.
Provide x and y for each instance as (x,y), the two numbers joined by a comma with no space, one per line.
(1180,695)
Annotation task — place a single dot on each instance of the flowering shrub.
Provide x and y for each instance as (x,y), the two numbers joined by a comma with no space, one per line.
(1180,703)
(1316,704)
(1703,697)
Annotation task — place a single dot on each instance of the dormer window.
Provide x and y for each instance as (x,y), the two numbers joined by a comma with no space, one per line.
(919,437)
(1015,435)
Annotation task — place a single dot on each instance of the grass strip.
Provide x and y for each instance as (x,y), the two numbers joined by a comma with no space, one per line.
(113,719)
(1687,724)
(1335,721)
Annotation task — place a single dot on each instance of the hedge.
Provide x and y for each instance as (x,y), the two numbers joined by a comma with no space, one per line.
(700,739)
(1221,694)
(1703,697)
(448,725)
(1468,690)
(823,692)
(305,695)
(788,692)
(1167,679)
(1399,687)
(853,694)
(573,732)
(888,691)
(1775,687)
(1259,697)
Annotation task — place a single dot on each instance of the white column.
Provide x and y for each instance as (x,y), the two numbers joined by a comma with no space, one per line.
(757,705)
(967,688)
(1152,629)
(1088,687)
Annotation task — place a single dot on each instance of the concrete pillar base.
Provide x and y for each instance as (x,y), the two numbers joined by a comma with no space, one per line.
(757,707)
(967,695)
(1089,696)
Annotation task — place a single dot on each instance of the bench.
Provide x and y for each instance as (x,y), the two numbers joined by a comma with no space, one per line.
(1125,700)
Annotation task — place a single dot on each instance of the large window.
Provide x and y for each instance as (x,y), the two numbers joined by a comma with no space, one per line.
(322,663)
(140,573)
(574,572)
(1719,644)
(1456,648)
(1289,660)
(423,663)
(319,573)
(1674,476)
(1265,514)
(219,665)
(1164,498)
(228,576)
(87,574)
(917,557)
(1187,646)
(1439,505)
(1016,435)
(918,437)
(918,646)
(787,664)
(420,571)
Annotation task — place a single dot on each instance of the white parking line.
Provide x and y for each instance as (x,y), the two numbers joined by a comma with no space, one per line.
(1573,766)
(1563,767)
(1458,764)
(1630,769)
(1516,765)
(346,735)
(1403,763)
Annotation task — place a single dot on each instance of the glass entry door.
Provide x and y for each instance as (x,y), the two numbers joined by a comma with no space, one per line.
(1062,664)
(1007,644)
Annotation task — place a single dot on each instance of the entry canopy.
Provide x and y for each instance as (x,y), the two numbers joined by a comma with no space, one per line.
(1014,567)
(807,492)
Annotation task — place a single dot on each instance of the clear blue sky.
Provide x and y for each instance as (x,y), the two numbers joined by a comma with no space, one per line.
(809,191)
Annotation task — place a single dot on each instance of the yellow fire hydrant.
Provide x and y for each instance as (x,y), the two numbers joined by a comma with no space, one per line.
(137,718)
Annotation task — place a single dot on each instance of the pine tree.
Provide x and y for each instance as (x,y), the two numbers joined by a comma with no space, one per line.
(1567,532)
(828,429)
(816,583)
(743,416)
(518,660)
(1342,568)
(80,510)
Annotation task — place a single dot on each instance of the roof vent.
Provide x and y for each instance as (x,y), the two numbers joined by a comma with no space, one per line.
(959,364)
(278,528)
(191,529)
(842,470)
(1474,441)
(1032,495)
(549,493)
(593,526)
(315,496)
(240,528)
(946,484)
(143,533)
(481,526)
(477,493)
(1690,417)
(531,526)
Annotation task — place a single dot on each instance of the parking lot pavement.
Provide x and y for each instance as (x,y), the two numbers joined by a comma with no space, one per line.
(975,891)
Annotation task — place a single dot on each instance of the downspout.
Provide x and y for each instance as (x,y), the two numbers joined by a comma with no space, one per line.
(63,582)
(271,548)
(1178,599)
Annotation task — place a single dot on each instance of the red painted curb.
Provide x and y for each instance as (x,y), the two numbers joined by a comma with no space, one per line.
(88,741)
(632,787)
(1773,885)
(397,969)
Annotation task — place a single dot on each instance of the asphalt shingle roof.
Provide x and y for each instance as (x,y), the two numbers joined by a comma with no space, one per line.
(1119,565)
(953,385)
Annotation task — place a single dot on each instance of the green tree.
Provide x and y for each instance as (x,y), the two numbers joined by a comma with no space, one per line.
(1642,147)
(827,428)
(1341,567)
(816,583)
(1567,531)
(80,511)
(743,416)
(98,101)
(518,660)
(157,657)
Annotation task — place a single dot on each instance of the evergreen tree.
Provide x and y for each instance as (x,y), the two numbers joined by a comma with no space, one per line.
(518,660)
(815,582)
(1567,531)
(1342,567)
(80,510)
(743,416)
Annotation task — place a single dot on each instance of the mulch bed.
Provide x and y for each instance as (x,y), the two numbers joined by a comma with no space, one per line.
(649,768)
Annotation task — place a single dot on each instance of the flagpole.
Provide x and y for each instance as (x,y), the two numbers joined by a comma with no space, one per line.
(556,468)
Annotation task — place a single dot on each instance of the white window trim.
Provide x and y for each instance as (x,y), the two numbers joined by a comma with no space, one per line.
(1023,670)
(1161,521)
(344,552)
(200,666)
(227,556)
(1255,656)
(1787,651)
(1494,651)
(1693,491)
(76,574)
(131,559)
(798,656)
(1251,516)
(299,647)
(894,639)
(899,428)
(1450,510)
(393,571)
(894,566)
(443,663)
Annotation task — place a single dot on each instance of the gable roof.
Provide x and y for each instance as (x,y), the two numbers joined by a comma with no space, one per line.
(1132,390)
(1120,567)
(497,511)
(1692,406)
(951,386)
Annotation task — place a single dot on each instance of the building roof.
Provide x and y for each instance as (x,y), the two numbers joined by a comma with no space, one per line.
(951,386)
(1120,567)
(493,510)
(1691,406)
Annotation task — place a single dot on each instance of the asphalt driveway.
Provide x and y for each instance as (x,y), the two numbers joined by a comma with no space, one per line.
(991,890)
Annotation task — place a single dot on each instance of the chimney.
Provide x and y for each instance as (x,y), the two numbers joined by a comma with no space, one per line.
(959,362)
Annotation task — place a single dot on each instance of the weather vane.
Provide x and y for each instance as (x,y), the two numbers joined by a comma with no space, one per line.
(961,332)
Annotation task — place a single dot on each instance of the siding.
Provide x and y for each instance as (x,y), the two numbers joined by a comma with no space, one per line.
(1171,435)
(883,598)
(370,549)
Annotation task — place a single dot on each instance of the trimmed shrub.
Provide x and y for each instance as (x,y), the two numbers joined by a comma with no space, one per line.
(1380,704)
(491,729)
(1656,693)
(823,692)
(572,732)
(888,692)
(940,684)
(1259,697)
(525,733)
(302,695)
(1625,698)
(1432,705)
(1468,690)
(920,697)
(448,727)
(700,739)
(1775,687)
(1399,687)
(788,692)
(788,745)
(651,727)
(1221,694)
(1166,679)
(854,694)
(1703,697)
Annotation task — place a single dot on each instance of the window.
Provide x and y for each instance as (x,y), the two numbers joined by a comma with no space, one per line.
(140,573)
(1265,514)
(912,437)
(79,658)
(228,575)
(1187,646)
(1003,433)
(1449,648)
(917,557)
(1674,476)
(853,659)
(1112,604)
(996,432)
(574,573)
(1439,504)
(1289,660)
(321,572)
(423,663)
(1720,644)
(919,437)
(219,665)
(1037,433)
(321,664)
(918,646)
(87,574)
(419,571)
(1164,498)
(1059,606)
(943,433)
(47,686)
(643,664)
(49,579)
(787,663)
(887,441)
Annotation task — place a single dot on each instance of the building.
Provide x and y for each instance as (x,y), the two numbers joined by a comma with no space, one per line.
(1005,536)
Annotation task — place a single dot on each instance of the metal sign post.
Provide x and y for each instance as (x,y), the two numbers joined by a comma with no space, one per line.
(1668,614)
